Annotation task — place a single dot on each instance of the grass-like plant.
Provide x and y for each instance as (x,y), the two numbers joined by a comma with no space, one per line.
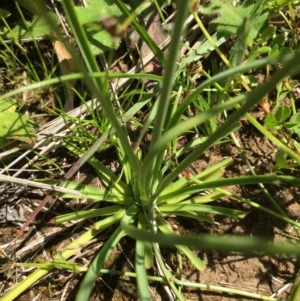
(151,184)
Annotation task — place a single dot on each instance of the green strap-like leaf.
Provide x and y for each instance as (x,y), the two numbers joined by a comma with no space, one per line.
(97,264)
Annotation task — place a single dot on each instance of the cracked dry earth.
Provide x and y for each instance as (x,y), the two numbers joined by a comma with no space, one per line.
(257,274)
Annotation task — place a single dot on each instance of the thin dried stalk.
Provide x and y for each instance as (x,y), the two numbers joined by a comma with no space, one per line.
(25,182)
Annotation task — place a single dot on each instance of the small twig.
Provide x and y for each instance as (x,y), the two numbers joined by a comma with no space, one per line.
(45,186)
(47,199)
(281,290)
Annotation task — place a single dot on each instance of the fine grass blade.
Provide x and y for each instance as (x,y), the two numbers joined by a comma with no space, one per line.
(295,293)
(165,228)
(140,264)
(170,287)
(87,214)
(175,189)
(106,175)
(74,76)
(148,250)
(63,264)
(190,195)
(97,264)
(150,169)
(92,192)
(291,66)
(223,243)
(195,215)
(142,281)
(171,209)
(246,180)
(221,77)
(142,31)
(63,254)
(160,144)
(98,86)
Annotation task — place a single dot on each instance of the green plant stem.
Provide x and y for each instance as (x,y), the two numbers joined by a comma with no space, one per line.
(223,76)
(64,254)
(223,243)
(148,173)
(261,185)
(141,30)
(291,66)
(189,284)
(210,40)
(216,48)
(98,86)
(22,286)
(251,203)
(295,293)
(167,274)
(221,289)
(97,264)
(272,138)
(140,262)
(74,76)
(183,283)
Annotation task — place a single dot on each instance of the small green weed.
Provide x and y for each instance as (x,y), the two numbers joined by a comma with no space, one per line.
(152,183)
(14,125)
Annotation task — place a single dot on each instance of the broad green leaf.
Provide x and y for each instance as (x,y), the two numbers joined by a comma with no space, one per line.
(242,41)
(270,121)
(14,125)
(6,105)
(90,18)
(277,4)
(33,6)
(279,40)
(282,113)
(95,14)
(293,124)
(285,51)
(204,48)
(258,52)
(267,34)
(281,160)
(231,16)
(4,13)
(38,27)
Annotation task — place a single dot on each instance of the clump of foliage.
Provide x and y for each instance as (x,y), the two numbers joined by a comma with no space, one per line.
(152,184)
